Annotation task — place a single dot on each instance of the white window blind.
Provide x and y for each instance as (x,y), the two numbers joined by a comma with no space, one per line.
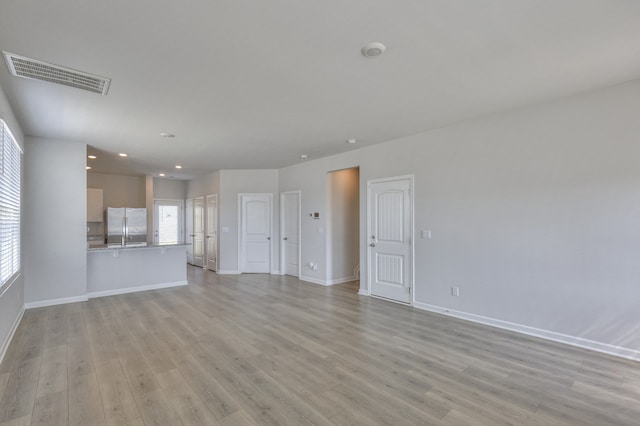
(10,153)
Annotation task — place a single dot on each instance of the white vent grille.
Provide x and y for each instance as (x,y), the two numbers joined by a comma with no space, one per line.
(38,70)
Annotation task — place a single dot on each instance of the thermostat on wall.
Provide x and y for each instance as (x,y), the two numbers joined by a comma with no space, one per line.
(315,215)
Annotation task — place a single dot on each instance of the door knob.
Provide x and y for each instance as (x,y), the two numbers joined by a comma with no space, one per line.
(268,238)
(285,238)
(372,245)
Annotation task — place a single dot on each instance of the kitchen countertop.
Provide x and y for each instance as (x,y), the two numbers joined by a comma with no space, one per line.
(104,247)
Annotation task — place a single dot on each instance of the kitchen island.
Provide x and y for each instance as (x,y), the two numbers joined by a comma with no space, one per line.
(119,270)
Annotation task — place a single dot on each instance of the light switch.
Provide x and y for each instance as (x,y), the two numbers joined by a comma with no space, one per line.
(425,234)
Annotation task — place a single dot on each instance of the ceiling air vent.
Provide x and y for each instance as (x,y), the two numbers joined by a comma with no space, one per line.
(38,70)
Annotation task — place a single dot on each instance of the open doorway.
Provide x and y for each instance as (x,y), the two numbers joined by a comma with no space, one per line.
(343,226)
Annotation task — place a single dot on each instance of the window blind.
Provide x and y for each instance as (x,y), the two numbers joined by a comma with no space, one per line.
(10,204)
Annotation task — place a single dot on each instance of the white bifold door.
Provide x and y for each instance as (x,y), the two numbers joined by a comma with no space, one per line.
(195,231)
(212,232)
(255,233)
(390,227)
(290,225)
(198,231)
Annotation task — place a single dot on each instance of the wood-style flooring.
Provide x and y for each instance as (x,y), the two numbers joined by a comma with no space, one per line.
(271,350)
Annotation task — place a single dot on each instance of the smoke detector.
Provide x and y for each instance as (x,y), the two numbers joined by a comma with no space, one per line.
(373,49)
(34,69)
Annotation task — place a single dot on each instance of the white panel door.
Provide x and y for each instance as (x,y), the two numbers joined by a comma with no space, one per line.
(212,232)
(188,224)
(390,239)
(198,231)
(290,203)
(255,233)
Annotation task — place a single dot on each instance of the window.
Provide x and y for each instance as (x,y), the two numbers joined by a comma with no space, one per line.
(9,204)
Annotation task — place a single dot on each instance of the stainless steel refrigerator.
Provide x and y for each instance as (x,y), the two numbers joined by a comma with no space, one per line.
(126,227)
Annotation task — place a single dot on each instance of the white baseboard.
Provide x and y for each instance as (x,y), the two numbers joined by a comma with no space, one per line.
(618,351)
(105,293)
(364,292)
(341,280)
(228,272)
(276,272)
(52,302)
(12,332)
(313,280)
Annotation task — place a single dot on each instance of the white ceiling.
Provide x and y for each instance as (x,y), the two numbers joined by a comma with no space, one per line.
(254,84)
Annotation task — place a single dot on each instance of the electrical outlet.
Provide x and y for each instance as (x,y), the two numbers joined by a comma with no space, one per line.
(455,291)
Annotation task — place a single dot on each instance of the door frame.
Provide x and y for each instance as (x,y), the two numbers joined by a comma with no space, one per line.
(412,249)
(240,230)
(207,231)
(282,245)
(181,218)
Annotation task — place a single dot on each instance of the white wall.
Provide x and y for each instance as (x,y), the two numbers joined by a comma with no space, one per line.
(343,255)
(232,183)
(119,190)
(169,189)
(55,205)
(535,214)
(12,296)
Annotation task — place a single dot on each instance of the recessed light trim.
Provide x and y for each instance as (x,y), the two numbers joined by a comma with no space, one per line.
(122,154)
(304,156)
(178,166)
(161,174)
(373,49)
(91,157)
(351,141)
(167,135)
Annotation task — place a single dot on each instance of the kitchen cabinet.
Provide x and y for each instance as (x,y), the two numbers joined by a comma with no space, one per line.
(95,205)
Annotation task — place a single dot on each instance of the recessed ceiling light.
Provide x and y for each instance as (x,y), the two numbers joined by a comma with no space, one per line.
(373,49)
(88,167)
(167,135)
(178,166)
(122,154)
(304,156)
(351,141)
(93,157)
(161,174)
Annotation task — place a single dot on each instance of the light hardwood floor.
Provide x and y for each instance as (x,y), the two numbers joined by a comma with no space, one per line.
(270,350)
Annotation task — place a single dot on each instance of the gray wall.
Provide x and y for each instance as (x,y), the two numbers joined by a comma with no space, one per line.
(232,183)
(204,185)
(119,190)
(11,296)
(534,214)
(169,189)
(55,205)
(343,228)
(227,184)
